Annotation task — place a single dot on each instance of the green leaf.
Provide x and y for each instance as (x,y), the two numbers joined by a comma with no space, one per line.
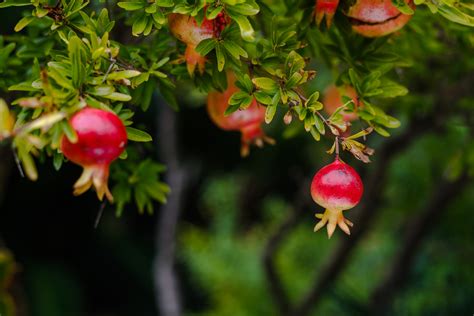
(246,29)
(125,74)
(78,59)
(165,3)
(265,84)
(231,109)
(262,97)
(220,58)
(456,15)
(381,131)
(57,161)
(132,5)
(28,163)
(315,134)
(244,83)
(391,89)
(45,122)
(212,13)
(137,135)
(243,9)
(69,131)
(14,3)
(270,113)
(319,125)
(403,6)
(23,23)
(294,80)
(139,25)
(117,96)
(238,97)
(206,46)
(234,50)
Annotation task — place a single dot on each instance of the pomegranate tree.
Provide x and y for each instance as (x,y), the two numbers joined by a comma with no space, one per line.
(336,187)
(374,18)
(101,138)
(186,29)
(247,121)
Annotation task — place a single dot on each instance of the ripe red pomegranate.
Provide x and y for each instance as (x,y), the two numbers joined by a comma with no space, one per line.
(336,187)
(333,99)
(101,138)
(325,8)
(374,18)
(186,29)
(247,121)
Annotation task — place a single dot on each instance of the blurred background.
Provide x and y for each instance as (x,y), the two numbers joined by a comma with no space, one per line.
(236,235)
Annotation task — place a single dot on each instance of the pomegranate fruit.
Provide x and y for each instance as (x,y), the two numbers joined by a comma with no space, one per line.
(101,138)
(325,9)
(374,18)
(247,121)
(333,99)
(336,187)
(186,29)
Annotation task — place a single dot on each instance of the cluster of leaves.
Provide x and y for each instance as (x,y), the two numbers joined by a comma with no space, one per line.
(80,67)
(64,59)
(456,11)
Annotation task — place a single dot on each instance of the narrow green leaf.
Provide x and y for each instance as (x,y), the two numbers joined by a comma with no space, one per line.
(270,113)
(206,46)
(220,58)
(265,83)
(137,135)
(23,23)
(262,97)
(117,96)
(315,133)
(234,50)
(132,5)
(231,109)
(78,59)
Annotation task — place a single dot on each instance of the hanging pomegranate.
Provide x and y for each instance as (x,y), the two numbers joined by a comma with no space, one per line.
(247,121)
(101,138)
(375,18)
(336,187)
(186,29)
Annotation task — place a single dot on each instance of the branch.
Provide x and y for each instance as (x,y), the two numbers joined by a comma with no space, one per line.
(168,298)
(397,275)
(275,285)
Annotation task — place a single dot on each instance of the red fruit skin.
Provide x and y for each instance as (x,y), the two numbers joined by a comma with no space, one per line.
(186,29)
(247,121)
(336,187)
(101,138)
(325,9)
(375,18)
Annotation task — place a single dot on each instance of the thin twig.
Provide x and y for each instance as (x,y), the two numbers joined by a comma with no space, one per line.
(99,214)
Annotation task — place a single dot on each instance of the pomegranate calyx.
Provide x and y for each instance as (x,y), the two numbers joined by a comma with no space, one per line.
(331,218)
(325,9)
(193,59)
(96,176)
